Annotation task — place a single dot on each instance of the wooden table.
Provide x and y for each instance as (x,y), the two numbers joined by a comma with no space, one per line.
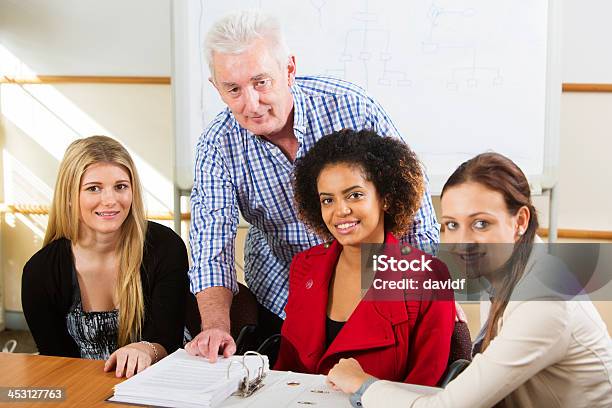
(84,381)
(87,385)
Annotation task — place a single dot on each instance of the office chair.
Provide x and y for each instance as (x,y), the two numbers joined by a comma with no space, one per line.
(243,318)
(460,353)
(461,343)
(452,371)
(270,346)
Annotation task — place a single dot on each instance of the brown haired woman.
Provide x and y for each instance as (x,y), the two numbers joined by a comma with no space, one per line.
(107,284)
(536,351)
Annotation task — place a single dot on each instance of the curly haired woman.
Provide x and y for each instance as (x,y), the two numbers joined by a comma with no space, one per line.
(360,188)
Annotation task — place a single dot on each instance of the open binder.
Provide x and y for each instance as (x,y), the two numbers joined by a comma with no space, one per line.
(181,380)
(247,387)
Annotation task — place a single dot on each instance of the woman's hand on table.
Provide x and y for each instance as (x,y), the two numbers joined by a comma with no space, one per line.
(347,376)
(133,358)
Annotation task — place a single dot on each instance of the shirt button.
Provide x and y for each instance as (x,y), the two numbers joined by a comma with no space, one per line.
(406,250)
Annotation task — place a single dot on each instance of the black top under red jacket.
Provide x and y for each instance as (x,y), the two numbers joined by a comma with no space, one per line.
(46,292)
(379,334)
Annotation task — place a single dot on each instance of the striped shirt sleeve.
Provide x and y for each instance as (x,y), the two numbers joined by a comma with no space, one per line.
(214,223)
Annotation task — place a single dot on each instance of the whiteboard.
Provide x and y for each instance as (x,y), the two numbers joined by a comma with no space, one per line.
(457,77)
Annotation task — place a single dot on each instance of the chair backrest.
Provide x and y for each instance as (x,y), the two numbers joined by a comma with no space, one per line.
(452,371)
(243,311)
(243,319)
(270,346)
(460,353)
(461,343)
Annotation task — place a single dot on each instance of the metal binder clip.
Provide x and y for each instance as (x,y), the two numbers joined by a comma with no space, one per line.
(247,387)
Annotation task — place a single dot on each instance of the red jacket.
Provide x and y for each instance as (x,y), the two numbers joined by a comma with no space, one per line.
(378,333)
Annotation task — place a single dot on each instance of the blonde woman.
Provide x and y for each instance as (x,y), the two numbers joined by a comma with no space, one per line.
(107,283)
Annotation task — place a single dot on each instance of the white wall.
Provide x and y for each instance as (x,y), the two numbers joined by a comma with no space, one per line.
(586,35)
(585,175)
(89,37)
(585,199)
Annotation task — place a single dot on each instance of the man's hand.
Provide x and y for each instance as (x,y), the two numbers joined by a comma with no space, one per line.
(347,376)
(214,305)
(210,343)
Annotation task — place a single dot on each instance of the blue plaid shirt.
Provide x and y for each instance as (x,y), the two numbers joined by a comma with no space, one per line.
(237,170)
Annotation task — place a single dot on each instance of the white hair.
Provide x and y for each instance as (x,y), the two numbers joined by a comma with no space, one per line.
(236,32)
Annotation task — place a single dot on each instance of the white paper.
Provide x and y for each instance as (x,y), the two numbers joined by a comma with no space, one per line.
(184,380)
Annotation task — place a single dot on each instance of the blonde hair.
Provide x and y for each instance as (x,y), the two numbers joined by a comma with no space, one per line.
(64,223)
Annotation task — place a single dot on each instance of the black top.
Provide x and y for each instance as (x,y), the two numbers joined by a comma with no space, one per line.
(47,293)
(95,333)
(332,328)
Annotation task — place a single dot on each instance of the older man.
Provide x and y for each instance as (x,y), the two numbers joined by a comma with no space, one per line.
(244,162)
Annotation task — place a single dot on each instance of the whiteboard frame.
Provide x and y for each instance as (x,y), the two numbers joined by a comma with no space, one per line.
(554,85)
(187,75)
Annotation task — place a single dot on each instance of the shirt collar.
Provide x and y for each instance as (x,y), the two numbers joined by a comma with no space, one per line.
(299,110)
